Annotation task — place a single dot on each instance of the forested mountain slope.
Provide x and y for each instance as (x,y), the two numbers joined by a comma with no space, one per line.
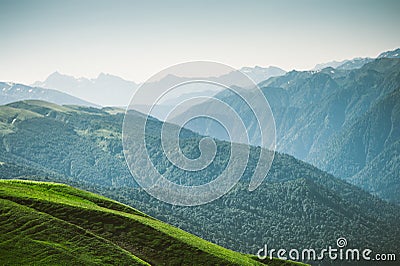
(317,114)
(296,206)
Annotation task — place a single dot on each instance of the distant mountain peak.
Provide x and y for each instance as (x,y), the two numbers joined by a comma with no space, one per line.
(349,64)
(104,75)
(333,64)
(259,74)
(12,92)
(105,89)
(58,74)
(356,62)
(55,76)
(390,54)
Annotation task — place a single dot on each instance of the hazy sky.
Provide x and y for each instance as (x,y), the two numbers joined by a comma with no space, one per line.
(135,39)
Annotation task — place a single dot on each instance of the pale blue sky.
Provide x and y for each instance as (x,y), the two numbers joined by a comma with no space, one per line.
(135,39)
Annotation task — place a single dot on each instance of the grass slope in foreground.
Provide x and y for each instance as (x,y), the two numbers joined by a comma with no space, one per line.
(47,223)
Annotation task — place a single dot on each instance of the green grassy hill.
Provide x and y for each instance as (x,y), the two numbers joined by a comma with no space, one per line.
(53,224)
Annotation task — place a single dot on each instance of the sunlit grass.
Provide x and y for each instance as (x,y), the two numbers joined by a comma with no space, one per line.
(59,221)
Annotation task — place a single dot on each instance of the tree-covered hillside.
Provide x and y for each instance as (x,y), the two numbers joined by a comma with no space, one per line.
(318,120)
(367,152)
(296,206)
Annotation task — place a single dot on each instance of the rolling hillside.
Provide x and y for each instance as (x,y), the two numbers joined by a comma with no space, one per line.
(49,223)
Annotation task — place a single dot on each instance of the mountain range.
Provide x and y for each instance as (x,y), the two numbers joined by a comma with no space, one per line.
(109,90)
(357,62)
(12,92)
(335,173)
(297,205)
(105,90)
(342,121)
(259,74)
(345,64)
